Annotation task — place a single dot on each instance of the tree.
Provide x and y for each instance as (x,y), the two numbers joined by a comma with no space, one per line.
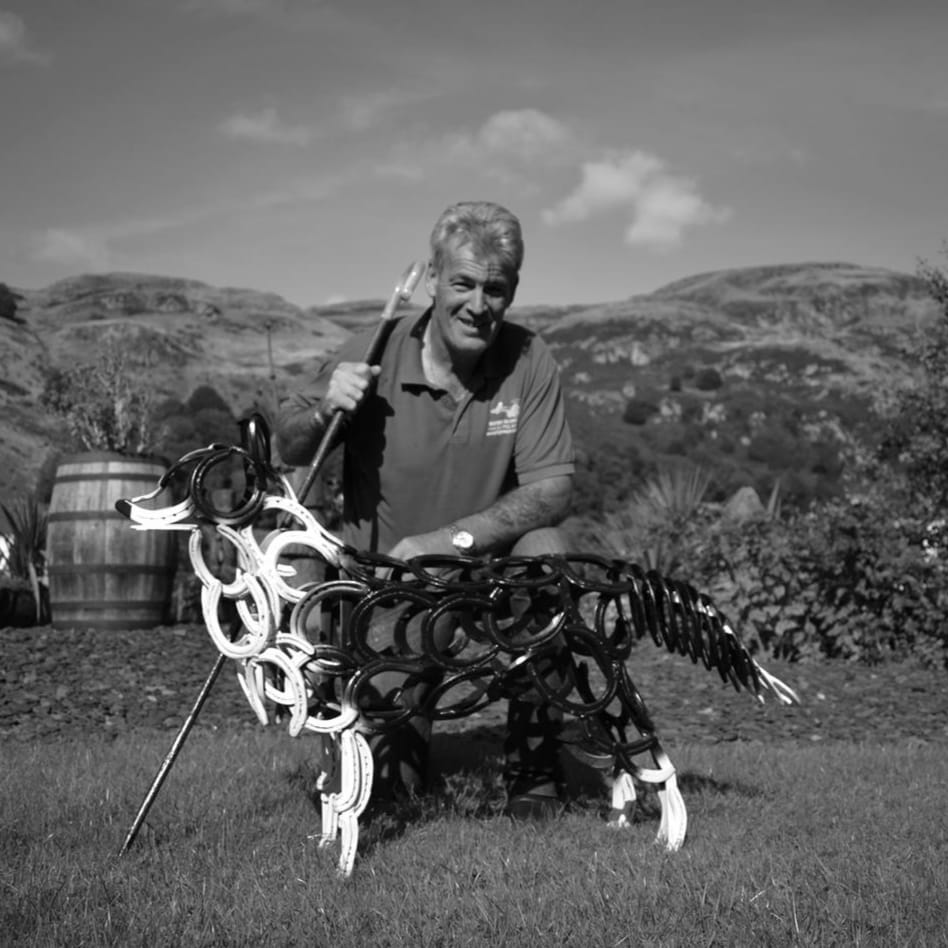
(916,433)
(8,303)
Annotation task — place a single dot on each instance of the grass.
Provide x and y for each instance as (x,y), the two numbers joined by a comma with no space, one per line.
(789,844)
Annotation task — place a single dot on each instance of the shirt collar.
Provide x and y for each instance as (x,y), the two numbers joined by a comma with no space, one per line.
(412,372)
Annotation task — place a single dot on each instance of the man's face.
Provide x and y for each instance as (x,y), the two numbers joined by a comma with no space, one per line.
(470,294)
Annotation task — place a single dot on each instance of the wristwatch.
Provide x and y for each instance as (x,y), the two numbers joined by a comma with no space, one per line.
(461,540)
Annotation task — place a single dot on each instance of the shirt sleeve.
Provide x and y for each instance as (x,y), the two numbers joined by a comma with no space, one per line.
(544,446)
(302,402)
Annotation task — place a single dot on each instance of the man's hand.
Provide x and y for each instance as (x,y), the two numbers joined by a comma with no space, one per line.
(348,386)
(436,542)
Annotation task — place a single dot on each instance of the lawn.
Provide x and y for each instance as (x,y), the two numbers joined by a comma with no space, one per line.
(791,842)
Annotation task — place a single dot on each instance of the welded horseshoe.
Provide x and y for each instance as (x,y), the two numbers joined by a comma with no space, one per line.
(456,634)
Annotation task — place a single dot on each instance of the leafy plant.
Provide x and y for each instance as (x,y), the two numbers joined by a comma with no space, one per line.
(847,579)
(106,404)
(26,557)
(916,436)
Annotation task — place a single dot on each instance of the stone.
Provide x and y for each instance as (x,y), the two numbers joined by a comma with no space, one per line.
(744,506)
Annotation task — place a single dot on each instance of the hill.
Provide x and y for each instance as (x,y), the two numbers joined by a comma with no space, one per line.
(740,368)
(760,373)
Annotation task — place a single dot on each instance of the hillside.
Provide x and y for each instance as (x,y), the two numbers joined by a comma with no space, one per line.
(187,333)
(708,363)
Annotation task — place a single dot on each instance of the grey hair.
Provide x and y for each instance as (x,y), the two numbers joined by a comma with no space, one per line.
(488,228)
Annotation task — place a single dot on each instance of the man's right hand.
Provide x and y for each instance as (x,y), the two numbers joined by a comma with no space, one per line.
(348,386)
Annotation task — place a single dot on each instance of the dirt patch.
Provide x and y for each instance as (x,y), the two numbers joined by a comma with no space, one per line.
(57,685)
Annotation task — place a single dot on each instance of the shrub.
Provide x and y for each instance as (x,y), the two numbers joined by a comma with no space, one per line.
(916,434)
(708,379)
(842,580)
(777,449)
(604,477)
(692,406)
(638,411)
(9,302)
(206,397)
(825,459)
(182,428)
(106,404)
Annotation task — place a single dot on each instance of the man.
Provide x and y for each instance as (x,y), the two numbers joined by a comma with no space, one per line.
(457,443)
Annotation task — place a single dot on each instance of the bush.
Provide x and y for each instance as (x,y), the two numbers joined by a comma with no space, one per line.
(604,478)
(915,438)
(9,302)
(184,427)
(825,459)
(638,411)
(708,379)
(778,450)
(106,405)
(206,397)
(840,581)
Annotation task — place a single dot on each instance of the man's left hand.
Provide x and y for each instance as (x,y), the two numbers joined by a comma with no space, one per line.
(436,542)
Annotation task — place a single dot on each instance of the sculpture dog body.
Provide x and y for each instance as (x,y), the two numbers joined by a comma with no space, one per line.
(318,652)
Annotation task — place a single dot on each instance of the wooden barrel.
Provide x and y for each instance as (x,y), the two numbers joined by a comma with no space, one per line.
(102,573)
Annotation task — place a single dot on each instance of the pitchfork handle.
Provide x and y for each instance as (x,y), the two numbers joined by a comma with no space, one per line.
(373,353)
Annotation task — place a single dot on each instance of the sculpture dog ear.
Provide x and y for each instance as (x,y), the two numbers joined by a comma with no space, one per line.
(255,437)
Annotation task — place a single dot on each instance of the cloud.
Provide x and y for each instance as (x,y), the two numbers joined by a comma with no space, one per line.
(662,205)
(529,149)
(509,146)
(303,189)
(99,246)
(15,48)
(361,112)
(234,7)
(71,248)
(524,134)
(265,126)
(291,14)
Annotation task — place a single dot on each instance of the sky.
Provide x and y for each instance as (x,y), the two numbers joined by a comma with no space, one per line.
(305,147)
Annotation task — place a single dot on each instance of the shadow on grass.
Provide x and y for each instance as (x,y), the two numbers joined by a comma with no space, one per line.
(466,781)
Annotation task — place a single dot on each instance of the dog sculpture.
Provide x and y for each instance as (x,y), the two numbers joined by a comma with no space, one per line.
(307,651)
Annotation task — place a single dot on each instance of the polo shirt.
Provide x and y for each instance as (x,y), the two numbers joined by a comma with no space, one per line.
(416,460)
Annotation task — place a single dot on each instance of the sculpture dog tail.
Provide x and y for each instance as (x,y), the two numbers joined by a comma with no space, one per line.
(676,615)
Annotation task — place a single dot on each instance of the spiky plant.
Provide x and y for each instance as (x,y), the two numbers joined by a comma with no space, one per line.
(650,527)
(26,559)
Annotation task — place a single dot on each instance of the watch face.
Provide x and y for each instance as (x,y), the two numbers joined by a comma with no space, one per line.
(463,541)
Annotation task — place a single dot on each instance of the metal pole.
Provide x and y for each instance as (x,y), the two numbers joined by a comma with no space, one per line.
(173,753)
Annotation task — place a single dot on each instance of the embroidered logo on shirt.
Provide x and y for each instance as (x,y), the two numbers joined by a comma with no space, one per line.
(503,418)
